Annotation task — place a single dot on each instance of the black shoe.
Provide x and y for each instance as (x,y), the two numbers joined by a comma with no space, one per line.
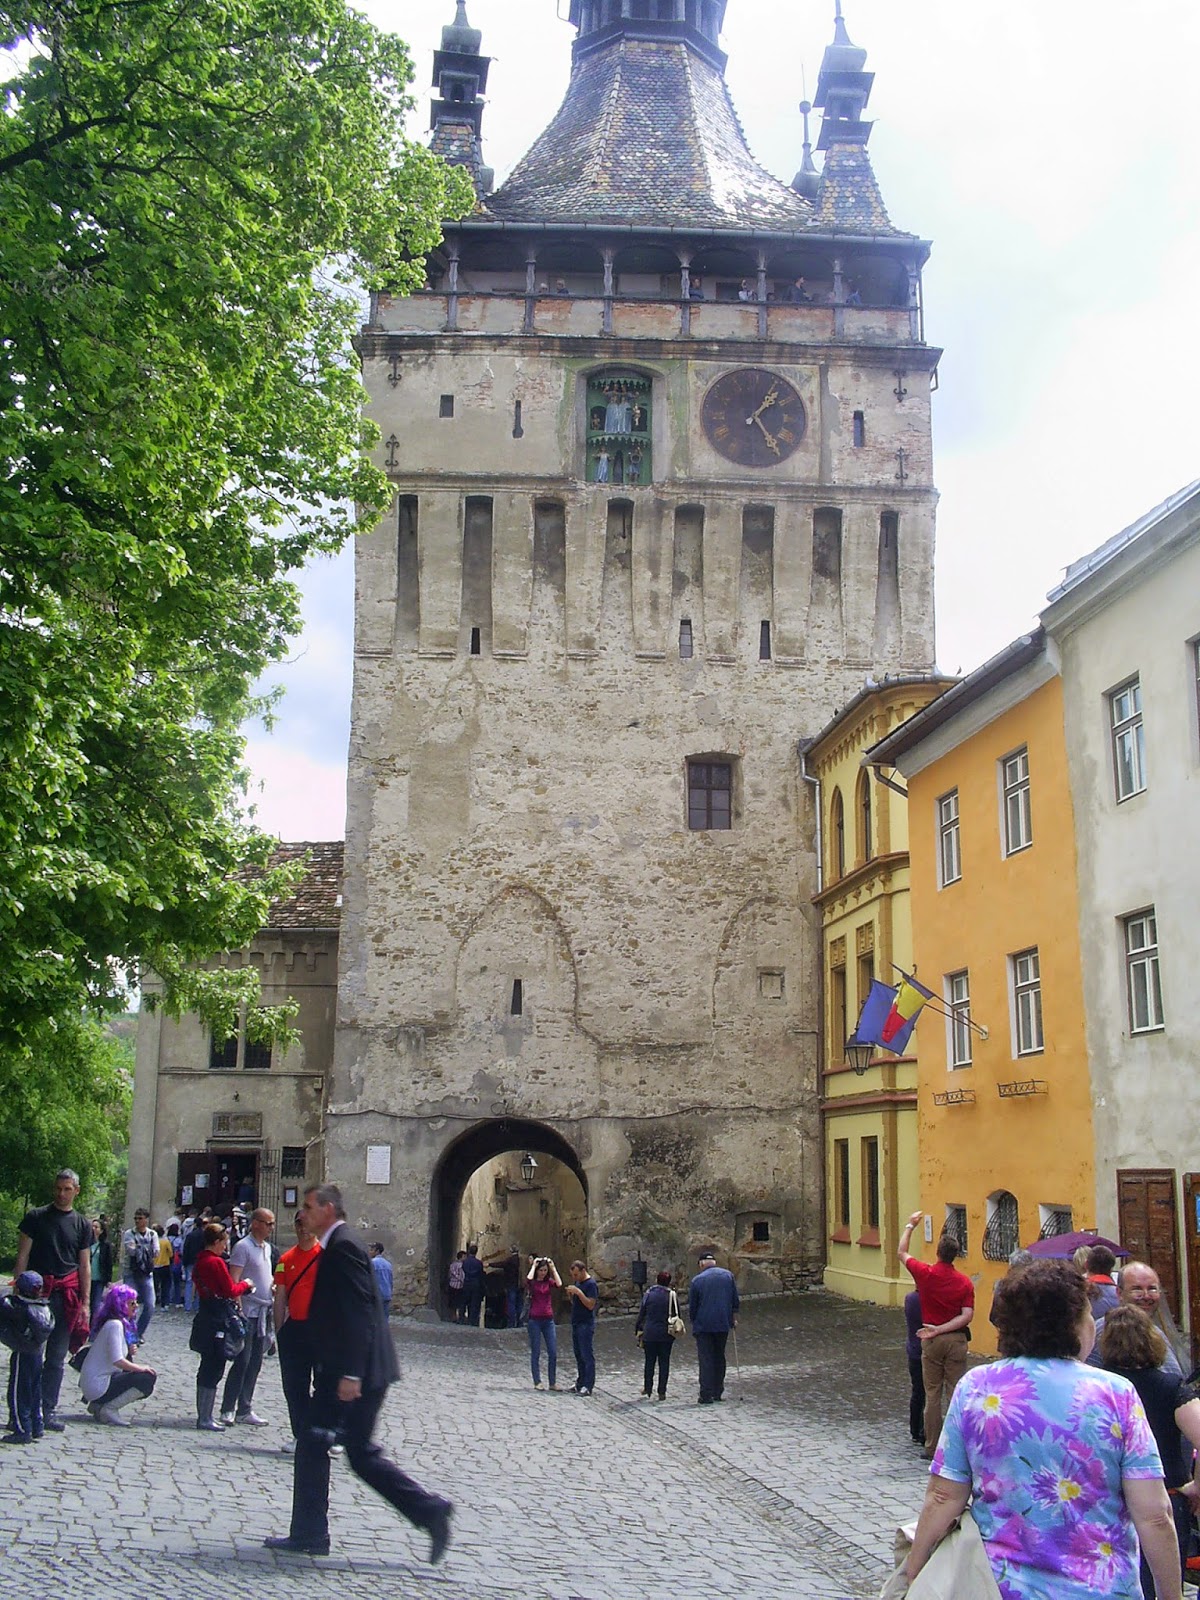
(704,1400)
(439,1532)
(53,1424)
(297,1547)
(17,1438)
(718,1398)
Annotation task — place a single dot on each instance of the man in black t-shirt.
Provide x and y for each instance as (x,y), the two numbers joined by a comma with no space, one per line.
(56,1240)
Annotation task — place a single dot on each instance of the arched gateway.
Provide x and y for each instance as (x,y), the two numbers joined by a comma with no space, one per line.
(463,1158)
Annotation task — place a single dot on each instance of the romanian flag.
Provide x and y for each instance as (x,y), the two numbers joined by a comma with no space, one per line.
(902,1019)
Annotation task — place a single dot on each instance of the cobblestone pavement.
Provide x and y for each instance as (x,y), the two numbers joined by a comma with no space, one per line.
(792,1488)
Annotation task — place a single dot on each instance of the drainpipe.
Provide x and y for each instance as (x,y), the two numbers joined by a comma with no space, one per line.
(802,750)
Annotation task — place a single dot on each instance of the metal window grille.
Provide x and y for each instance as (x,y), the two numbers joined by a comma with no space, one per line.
(222,1054)
(258,1055)
(1128,739)
(293,1160)
(1003,1232)
(1059,1219)
(955,1226)
(1018,817)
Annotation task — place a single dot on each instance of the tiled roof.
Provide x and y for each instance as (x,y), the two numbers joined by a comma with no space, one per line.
(647,135)
(848,200)
(317,902)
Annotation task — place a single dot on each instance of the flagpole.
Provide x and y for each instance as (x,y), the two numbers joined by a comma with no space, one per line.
(939,1009)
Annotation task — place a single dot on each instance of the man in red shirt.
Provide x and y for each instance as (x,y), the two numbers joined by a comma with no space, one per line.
(947,1306)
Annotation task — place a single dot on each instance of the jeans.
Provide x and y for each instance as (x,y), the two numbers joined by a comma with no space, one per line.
(54,1355)
(190,1298)
(916,1401)
(243,1374)
(512,1307)
(710,1358)
(474,1301)
(657,1353)
(543,1328)
(25,1393)
(943,1362)
(122,1382)
(145,1294)
(583,1336)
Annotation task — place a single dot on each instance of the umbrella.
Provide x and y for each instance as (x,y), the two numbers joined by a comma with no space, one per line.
(1064,1245)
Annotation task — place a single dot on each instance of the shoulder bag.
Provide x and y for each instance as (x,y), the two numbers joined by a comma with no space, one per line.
(674,1320)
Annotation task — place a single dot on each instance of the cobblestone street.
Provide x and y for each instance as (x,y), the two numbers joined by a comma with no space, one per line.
(793,1487)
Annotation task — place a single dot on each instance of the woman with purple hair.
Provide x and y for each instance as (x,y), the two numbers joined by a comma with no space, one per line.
(110,1378)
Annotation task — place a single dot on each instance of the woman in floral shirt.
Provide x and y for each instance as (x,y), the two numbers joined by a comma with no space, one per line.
(1058,1456)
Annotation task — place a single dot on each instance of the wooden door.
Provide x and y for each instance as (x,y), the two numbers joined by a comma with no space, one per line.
(1147,1225)
(1191,1234)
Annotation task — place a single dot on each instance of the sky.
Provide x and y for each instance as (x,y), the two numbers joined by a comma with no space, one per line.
(1048,149)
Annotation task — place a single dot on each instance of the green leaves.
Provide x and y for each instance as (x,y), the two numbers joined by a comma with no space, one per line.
(185,190)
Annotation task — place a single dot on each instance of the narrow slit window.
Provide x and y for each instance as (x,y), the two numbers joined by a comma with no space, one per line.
(475,642)
(518,430)
(860,429)
(517,1003)
(764,641)
(446,406)
(685,640)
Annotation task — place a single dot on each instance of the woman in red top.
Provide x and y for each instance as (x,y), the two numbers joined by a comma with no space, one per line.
(218,1293)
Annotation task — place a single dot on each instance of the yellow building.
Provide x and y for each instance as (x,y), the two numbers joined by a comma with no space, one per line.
(1004,1099)
(869,1120)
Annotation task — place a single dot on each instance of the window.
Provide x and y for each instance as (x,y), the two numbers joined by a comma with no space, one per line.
(710,795)
(222,1054)
(258,1055)
(619,435)
(866,976)
(516,1004)
(955,1226)
(1196,677)
(1055,1220)
(293,1159)
(1026,976)
(864,814)
(1128,739)
(446,406)
(860,430)
(685,639)
(762,1232)
(1142,981)
(838,1023)
(1018,821)
(837,835)
(841,1185)
(764,641)
(958,1025)
(1003,1232)
(949,852)
(870,1184)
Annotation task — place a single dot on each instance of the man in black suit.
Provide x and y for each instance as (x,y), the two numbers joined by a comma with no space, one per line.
(354,1361)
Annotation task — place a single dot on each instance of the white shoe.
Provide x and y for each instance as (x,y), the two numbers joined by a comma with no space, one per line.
(113,1418)
(228,1418)
(288,1447)
(252,1419)
(337,1449)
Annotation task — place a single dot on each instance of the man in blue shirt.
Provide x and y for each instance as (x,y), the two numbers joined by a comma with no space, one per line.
(473,1276)
(583,1292)
(382,1268)
(712,1311)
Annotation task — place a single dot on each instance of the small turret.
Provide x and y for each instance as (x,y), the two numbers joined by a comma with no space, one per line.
(808,180)
(460,79)
(843,89)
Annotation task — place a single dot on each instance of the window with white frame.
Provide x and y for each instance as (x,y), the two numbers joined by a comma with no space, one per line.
(1142,981)
(1025,977)
(958,1024)
(1128,739)
(1018,817)
(949,851)
(1054,1220)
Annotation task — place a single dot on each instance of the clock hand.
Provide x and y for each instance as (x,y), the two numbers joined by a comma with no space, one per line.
(772,442)
(767,403)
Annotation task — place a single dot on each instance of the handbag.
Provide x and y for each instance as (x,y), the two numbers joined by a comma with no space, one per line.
(674,1320)
(232,1331)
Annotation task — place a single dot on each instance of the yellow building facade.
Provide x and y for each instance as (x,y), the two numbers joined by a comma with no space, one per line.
(1004,1111)
(869,1120)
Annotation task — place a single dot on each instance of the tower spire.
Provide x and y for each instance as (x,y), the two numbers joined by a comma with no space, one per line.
(808,180)
(460,78)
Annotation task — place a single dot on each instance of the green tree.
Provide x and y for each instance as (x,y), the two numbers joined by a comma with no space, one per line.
(187,190)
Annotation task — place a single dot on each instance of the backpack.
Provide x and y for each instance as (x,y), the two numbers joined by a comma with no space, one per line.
(24,1324)
(142,1254)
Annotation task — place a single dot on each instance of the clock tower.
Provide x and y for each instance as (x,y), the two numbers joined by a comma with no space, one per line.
(659,430)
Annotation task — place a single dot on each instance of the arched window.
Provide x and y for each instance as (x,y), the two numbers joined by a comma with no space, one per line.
(837,836)
(864,815)
(1003,1232)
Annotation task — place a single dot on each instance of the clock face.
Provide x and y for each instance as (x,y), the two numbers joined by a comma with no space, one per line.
(753,418)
